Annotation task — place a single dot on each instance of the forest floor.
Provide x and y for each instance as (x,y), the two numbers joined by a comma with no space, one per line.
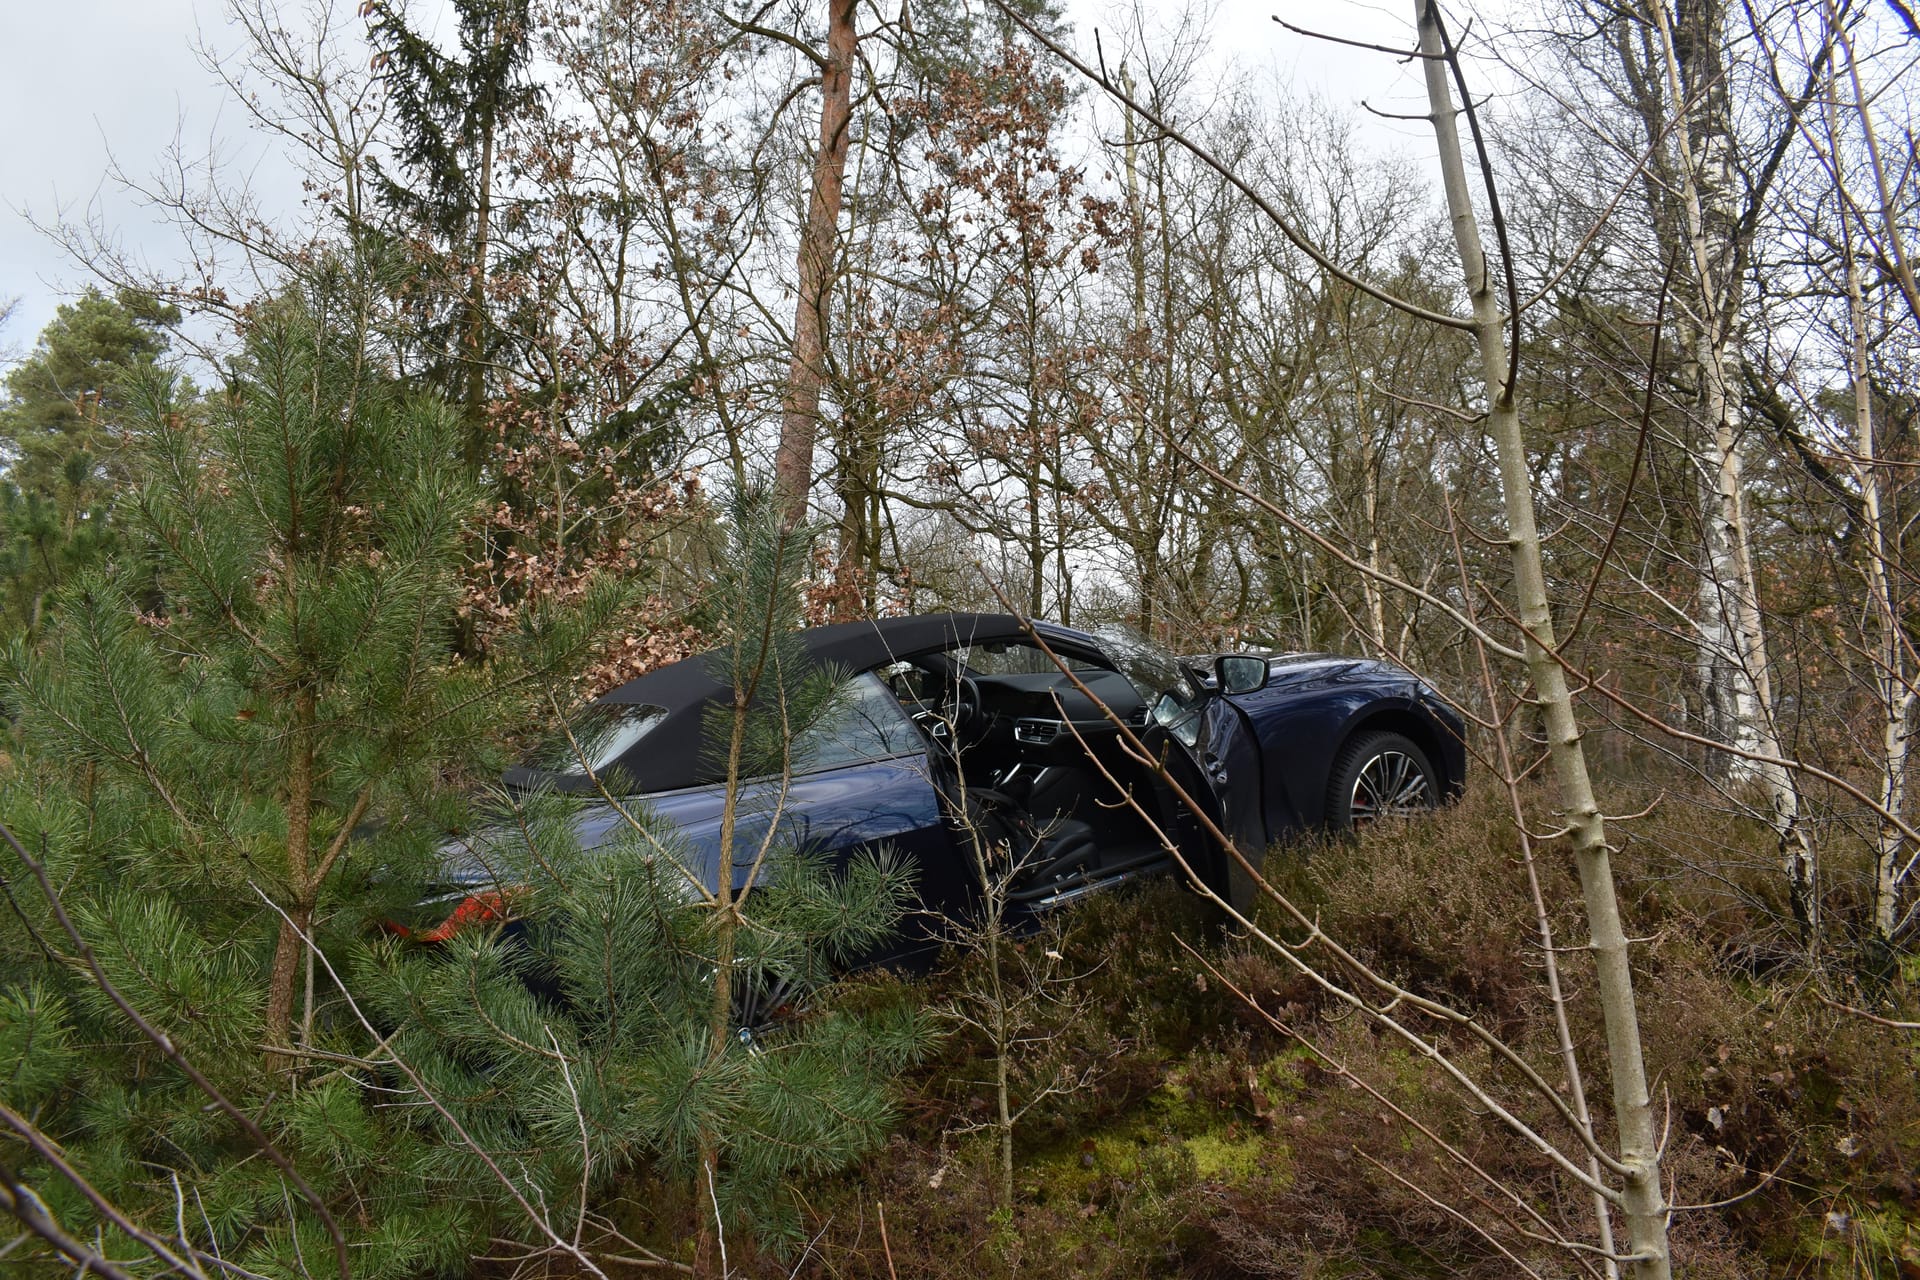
(1192,1134)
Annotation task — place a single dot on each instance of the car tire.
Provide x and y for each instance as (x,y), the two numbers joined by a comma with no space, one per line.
(1378,775)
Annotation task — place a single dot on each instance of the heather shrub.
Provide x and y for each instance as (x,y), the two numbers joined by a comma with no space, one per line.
(1217,1143)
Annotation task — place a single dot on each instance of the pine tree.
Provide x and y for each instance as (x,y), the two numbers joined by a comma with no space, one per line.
(58,440)
(624,1026)
(275,749)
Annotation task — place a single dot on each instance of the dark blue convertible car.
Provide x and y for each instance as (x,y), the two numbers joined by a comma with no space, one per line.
(956,730)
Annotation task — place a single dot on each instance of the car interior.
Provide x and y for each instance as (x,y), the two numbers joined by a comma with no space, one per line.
(1031,771)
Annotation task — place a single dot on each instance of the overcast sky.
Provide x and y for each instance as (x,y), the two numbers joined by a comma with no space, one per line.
(85,83)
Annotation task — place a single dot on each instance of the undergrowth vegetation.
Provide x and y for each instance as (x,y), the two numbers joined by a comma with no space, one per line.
(1211,1139)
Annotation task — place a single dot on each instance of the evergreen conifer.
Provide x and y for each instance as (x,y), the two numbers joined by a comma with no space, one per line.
(59,440)
(289,726)
(626,1023)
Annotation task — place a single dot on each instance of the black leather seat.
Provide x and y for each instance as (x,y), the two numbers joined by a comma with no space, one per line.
(1009,833)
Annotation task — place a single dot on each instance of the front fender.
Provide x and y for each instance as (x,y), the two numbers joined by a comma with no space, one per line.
(1301,717)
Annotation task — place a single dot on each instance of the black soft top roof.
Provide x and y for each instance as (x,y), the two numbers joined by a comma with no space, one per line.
(673,755)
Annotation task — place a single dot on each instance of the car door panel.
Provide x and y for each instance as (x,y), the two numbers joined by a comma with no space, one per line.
(835,812)
(1231,759)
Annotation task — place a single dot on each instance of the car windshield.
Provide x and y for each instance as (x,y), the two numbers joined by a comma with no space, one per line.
(1014,658)
(1161,679)
(1148,667)
(594,739)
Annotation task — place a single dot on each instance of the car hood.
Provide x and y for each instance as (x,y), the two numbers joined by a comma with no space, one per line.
(1296,668)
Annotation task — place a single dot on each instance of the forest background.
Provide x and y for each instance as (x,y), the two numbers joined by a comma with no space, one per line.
(309,532)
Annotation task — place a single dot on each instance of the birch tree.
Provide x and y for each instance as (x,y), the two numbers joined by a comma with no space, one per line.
(1643,1199)
(1684,96)
(1664,106)
(1636,1161)
(1863,236)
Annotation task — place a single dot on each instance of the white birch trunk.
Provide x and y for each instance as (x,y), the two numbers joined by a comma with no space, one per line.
(1894,860)
(1892,683)
(1370,509)
(1893,686)
(1736,674)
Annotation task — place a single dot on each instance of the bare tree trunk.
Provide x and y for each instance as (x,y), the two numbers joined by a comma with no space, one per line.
(1036,539)
(1370,511)
(1642,1197)
(1002,1077)
(800,409)
(284,977)
(859,486)
(1894,677)
(1737,678)
(288,948)
(1062,569)
(1543,922)
(1892,683)
(1891,680)
(1134,352)
(709,1249)
(473,338)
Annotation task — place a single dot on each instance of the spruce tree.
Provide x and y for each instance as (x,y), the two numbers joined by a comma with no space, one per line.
(453,111)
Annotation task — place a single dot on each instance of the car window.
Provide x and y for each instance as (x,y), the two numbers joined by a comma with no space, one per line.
(1013,658)
(865,723)
(1147,666)
(595,738)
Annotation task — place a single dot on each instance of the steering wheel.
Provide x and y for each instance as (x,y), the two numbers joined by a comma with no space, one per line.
(959,714)
(968,709)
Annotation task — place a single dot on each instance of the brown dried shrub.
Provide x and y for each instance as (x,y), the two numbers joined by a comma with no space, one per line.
(1805,1117)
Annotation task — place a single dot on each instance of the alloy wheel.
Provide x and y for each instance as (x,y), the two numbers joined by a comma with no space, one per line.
(1390,785)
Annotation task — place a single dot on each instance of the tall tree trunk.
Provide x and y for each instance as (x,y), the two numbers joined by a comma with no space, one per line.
(709,1246)
(473,338)
(1370,512)
(1737,674)
(1062,568)
(1893,684)
(1036,533)
(1889,253)
(859,486)
(1892,681)
(1156,481)
(1642,1198)
(289,949)
(800,407)
(1135,357)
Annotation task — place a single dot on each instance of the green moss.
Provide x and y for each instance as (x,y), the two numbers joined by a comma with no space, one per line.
(1865,1244)
(1174,1107)
(1888,1243)
(1282,1077)
(1173,1126)
(1227,1157)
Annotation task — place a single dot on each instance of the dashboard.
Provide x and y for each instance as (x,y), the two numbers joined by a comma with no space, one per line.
(1028,714)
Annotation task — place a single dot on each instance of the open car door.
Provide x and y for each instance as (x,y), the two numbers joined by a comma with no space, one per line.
(1230,758)
(1211,752)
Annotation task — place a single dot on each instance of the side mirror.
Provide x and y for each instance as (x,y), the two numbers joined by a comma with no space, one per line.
(1240,672)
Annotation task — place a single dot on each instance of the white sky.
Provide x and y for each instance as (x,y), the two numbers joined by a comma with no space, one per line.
(82,82)
(86,83)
